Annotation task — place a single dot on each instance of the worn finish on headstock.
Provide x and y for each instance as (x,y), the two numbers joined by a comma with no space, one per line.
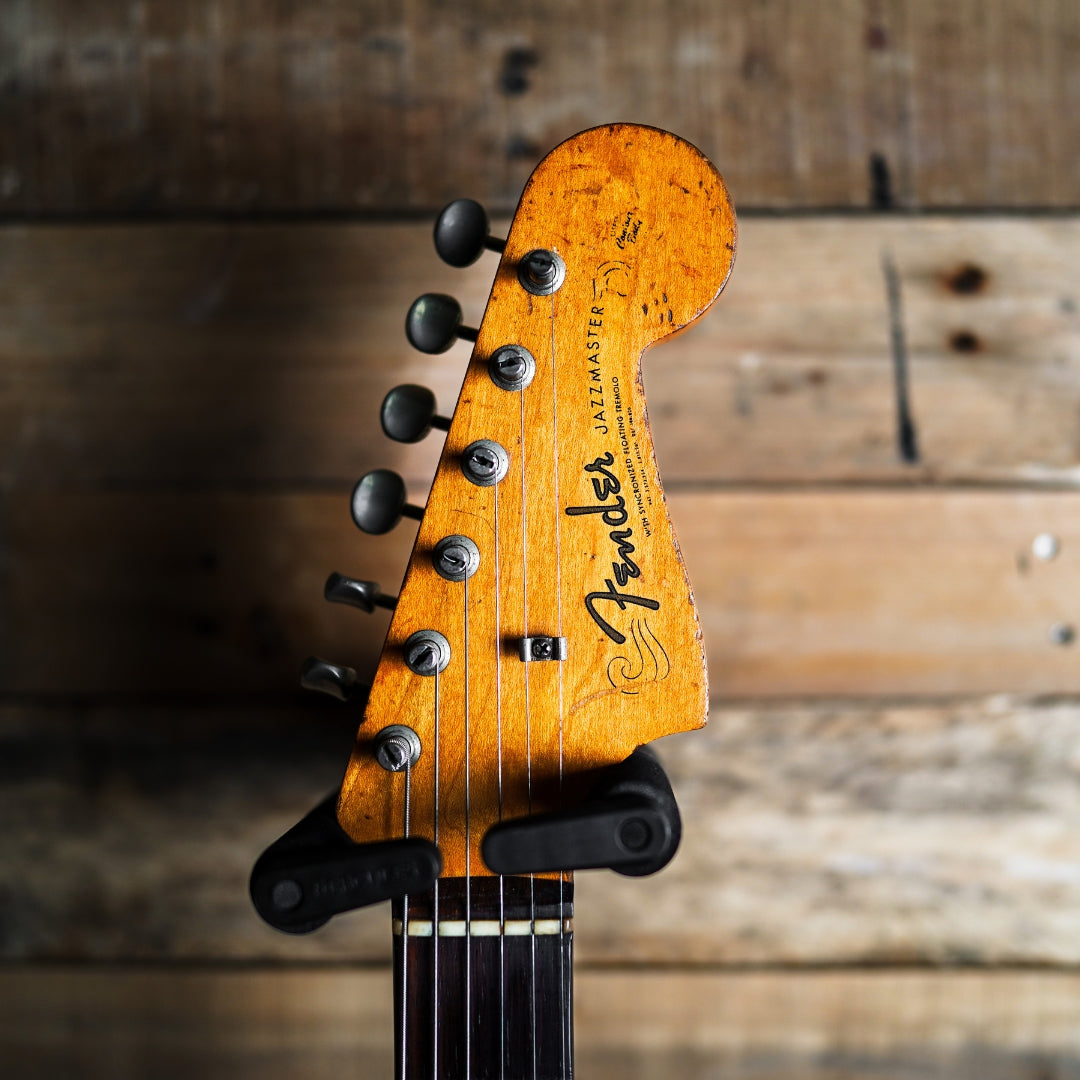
(575,541)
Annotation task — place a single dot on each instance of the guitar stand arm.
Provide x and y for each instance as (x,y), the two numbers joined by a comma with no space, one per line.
(629,823)
(315,871)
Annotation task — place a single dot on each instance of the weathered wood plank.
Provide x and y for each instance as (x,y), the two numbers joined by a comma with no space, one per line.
(632,1026)
(829,593)
(826,835)
(182,105)
(217,356)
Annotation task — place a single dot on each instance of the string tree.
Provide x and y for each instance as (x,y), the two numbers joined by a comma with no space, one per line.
(539,647)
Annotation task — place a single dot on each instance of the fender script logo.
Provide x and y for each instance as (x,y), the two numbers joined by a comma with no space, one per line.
(606,484)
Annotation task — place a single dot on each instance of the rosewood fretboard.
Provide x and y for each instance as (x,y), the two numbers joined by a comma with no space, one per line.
(484,989)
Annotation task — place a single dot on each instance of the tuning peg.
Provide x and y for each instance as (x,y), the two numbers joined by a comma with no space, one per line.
(378,502)
(434,320)
(340,589)
(408,413)
(461,233)
(337,681)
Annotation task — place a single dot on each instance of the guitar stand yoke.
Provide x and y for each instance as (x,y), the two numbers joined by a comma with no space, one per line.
(629,823)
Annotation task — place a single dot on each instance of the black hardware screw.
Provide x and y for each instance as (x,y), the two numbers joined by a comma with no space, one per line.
(541,649)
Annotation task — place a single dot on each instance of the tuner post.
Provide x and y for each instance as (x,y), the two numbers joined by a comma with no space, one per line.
(512,367)
(484,462)
(397,747)
(456,558)
(541,272)
(426,652)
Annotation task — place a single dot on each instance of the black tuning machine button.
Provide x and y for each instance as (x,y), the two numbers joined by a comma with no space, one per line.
(461,233)
(408,414)
(365,595)
(378,502)
(335,680)
(434,321)
(629,823)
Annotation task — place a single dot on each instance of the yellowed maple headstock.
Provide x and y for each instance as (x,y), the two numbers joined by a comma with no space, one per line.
(575,541)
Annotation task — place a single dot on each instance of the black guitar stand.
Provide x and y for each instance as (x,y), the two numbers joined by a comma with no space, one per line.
(315,871)
(628,823)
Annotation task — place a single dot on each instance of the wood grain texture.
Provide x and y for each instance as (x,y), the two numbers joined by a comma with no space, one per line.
(816,593)
(813,836)
(241,356)
(281,1025)
(574,541)
(181,105)
(183,410)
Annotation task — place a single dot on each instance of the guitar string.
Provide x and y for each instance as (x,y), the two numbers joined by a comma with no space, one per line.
(528,735)
(498,735)
(435,908)
(405,937)
(468,857)
(558,601)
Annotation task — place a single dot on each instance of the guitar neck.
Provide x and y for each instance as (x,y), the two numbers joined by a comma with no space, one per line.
(483,980)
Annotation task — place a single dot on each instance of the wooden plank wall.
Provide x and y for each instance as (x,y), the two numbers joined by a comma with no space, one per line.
(215,216)
(246,106)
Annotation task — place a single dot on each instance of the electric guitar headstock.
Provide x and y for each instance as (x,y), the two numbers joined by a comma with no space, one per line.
(545,629)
